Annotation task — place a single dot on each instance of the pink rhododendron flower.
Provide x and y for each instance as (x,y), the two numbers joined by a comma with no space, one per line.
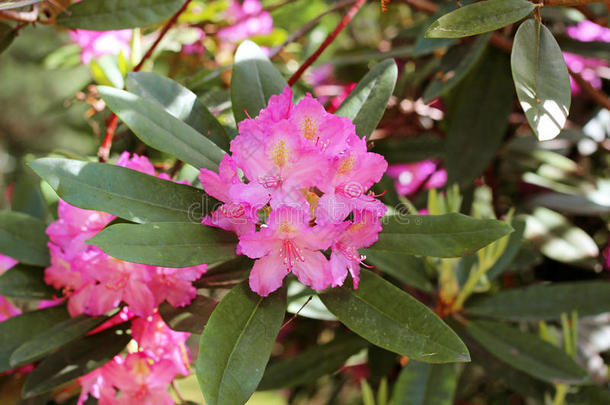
(94,282)
(246,19)
(6,263)
(410,177)
(95,44)
(7,310)
(304,189)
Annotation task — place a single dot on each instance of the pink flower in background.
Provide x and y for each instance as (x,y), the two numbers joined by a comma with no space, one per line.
(246,19)
(586,31)
(606,255)
(95,44)
(410,177)
(196,47)
(6,263)
(305,188)
(7,310)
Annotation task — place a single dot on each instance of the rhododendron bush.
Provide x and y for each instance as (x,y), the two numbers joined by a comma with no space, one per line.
(304,202)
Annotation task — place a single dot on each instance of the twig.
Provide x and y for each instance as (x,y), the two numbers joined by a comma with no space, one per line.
(307,27)
(272,7)
(104,150)
(292,318)
(342,24)
(599,97)
(570,3)
(22,16)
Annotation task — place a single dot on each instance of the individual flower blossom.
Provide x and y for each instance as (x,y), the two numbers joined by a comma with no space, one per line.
(246,19)
(410,177)
(7,310)
(296,184)
(95,282)
(6,263)
(95,44)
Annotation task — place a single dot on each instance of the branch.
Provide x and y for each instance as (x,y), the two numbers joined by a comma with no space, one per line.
(342,24)
(570,3)
(22,16)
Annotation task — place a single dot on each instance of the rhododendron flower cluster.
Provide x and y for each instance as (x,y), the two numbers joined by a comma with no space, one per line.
(411,177)
(95,44)
(304,189)
(95,282)
(247,18)
(143,375)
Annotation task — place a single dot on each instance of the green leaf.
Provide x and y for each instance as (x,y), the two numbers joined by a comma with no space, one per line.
(54,337)
(27,283)
(179,102)
(541,78)
(253,81)
(7,35)
(425,46)
(311,364)
(478,118)
(123,192)
(527,352)
(366,104)
(166,244)
(23,238)
(105,71)
(479,17)
(390,318)
(515,241)
(191,318)
(227,274)
(455,65)
(542,302)
(102,15)
(408,269)
(76,359)
(425,384)
(590,395)
(236,344)
(410,150)
(158,128)
(19,329)
(449,235)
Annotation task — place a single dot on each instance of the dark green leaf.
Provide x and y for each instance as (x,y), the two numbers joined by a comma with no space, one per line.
(163,131)
(27,195)
(449,235)
(253,81)
(455,65)
(19,329)
(425,46)
(166,244)
(479,17)
(592,395)
(122,192)
(101,15)
(179,102)
(390,318)
(527,352)
(545,301)
(366,104)
(311,364)
(226,274)
(23,238)
(236,344)
(54,337)
(191,318)
(408,269)
(410,150)
(478,118)
(425,384)
(7,35)
(541,78)
(589,49)
(76,359)
(515,241)
(26,282)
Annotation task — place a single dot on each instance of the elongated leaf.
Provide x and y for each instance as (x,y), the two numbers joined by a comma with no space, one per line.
(166,244)
(76,359)
(424,45)
(515,241)
(545,301)
(7,35)
(591,395)
(19,329)
(311,364)
(527,352)
(23,238)
(366,104)
(409,269)
(101,15)
(191,318)
(455,65)
(479,17)
(53,338)
(449,235)
(541,78)
(123,192)
(390,318)
(478,118)
(163,131)
(226,274)
(236,344)
(254,80)
(425,384)
(411,149)
(179,102)
(26,282)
